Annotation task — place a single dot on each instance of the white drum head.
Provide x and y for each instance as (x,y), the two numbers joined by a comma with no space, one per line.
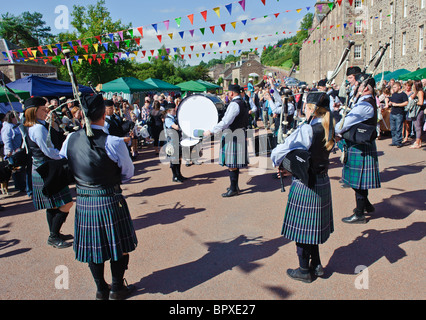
(197,112)
(189,142)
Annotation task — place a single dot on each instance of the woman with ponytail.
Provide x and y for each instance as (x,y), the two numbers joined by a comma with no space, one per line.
(308,217)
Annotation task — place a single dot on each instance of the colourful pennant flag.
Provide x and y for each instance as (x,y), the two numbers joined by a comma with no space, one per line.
(204,14)
(140,29)
(159,37)
(181,34)
(202,30)
(243,4)
(171,36)
(229,8)
(154,26)
(217,10)
(212,29)
(223,26)
(166,23)
(191,18)
(234,24)
(178,21)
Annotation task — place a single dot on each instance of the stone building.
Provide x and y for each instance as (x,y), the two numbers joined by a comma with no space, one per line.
(238,72)
(370,24)
(11,70)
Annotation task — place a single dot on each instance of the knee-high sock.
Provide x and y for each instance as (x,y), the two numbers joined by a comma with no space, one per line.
(303,255)
(233,177)
(118,268)
(361,198)
(50,214)
(57,222)
(97,270)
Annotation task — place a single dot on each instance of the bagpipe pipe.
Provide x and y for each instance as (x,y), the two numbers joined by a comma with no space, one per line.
(362,79)
(297,162)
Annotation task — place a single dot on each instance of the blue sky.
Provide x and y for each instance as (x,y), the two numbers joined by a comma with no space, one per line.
(145,13)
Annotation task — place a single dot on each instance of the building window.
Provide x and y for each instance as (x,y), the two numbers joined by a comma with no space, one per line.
(391,13)
(371,51)
(421,35)
(371,25)
(380,19)
(358,26)
(405,4)
(358,4)
(390,48)
(422,4)
(404,43)
(357,51)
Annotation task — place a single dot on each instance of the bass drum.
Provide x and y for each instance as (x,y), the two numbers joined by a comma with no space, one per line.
(196,112)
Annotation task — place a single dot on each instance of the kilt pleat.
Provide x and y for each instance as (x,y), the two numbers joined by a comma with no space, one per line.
(309,214)
(361,171)
(41,201)
(103,226)
(234,154)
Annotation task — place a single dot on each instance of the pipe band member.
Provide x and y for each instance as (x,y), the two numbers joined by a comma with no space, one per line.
(103,226)
(361,169)
(233,125)
(58,205)
(308,218)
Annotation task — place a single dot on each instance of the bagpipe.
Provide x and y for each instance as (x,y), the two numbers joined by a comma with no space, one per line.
(363,79)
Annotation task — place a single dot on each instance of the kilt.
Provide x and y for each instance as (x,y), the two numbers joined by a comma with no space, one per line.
(309,214)
(234,153)
(40,201)
(361,170)
(103,226)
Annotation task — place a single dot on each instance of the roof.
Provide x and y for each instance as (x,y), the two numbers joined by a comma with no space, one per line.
(161,85)
(127,85)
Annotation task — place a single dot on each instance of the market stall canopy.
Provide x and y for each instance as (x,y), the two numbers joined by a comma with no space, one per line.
(46,87)
(161,85)
(193,86)
(415,75)
(127,85)
(378,77)
(396,74)
(209,84)
(4,99)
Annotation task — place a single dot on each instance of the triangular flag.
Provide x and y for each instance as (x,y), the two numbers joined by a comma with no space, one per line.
(276,15)
(98,38)
(155,27)
(234,24)
(211,45)
(138,41)
(49,47)
(204,14)
(95,45)
(339,2)
(298,10)
(229,8)
(76,48)
(330,5)
(34,52)
(140,29)
(191,32)
(183,49)
(264,2)
(204,45)
(152,52)
(181,34)
(350,2)
(191,18)
(111,36)
(178,21)
(130,31)
(117,43)
(192,48)
(244,22)
(171,36)
(159,37)
(217,10)
(243,4)
(202,30)
(212,29)
(223,26)
(166,23)
(120,33)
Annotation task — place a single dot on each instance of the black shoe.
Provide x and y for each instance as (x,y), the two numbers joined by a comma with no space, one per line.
(123,293)
(104,294)
(238,190)
(355,219)
(66,237)
(296,274)
(177,179)
(58,243)
(229,194)
(369,208)
(181,177)
(318,270)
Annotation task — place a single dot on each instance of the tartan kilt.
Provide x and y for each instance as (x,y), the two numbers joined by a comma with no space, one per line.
(41,201)
(361,170)
(103,226)
(234,154)
(309,214)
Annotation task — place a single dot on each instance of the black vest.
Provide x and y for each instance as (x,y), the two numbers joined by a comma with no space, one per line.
(373,120)
(115,126)
(36,152)
(89,162)
(319,154)
(242,120)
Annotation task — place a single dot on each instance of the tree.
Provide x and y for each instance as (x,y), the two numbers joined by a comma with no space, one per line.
(90,22)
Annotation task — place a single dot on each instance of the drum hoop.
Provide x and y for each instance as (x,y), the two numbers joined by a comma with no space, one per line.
(182,103)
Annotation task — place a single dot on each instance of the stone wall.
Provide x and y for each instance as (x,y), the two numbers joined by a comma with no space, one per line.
(325,44)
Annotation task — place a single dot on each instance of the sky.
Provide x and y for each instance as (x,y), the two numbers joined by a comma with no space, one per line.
(268,30)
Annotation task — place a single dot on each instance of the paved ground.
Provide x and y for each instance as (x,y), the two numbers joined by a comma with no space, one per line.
(195,245)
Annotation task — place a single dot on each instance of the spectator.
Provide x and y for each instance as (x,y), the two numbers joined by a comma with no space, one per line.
(406,129)
(397,101)
(156,125)
(419,120)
